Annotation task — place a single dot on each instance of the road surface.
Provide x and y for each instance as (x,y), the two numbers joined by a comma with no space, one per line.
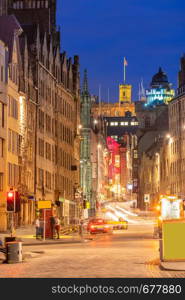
(127,254)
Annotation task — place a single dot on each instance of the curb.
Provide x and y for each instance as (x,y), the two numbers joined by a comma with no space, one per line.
(56,242)
(165,268)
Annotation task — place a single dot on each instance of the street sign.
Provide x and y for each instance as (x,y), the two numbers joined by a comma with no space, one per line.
(61,199)
(146,198)
(88,205)
(44,204)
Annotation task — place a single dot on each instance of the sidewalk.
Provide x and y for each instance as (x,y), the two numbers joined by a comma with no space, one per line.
(28,238)
(172,265)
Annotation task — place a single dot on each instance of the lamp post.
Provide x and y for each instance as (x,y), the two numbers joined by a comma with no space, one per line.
(129,187)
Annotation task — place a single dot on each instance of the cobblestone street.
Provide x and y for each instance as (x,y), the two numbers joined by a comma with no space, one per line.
(129,254)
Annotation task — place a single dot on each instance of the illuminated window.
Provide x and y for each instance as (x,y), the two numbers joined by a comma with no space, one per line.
(113,123)
(134,123)
(135,154)
(124,123)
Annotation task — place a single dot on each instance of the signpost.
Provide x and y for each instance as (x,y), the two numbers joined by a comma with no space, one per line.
(146,200)
(44,204)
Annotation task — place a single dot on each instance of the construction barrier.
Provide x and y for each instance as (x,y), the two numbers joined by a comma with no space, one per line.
(173,241)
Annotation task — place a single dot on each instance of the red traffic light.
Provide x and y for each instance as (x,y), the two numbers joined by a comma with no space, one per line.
(10,195)
(11,201)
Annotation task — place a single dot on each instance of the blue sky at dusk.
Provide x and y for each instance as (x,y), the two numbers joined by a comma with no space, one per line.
(148,33)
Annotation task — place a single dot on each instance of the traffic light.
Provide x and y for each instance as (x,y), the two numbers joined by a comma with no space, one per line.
(11,201)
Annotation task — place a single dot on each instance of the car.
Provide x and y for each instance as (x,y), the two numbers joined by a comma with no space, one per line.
(98,225)
(118,225)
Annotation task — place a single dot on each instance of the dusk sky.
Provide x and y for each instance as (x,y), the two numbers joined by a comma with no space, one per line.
(148,33)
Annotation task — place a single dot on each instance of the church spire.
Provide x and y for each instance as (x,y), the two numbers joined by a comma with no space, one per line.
(85,90)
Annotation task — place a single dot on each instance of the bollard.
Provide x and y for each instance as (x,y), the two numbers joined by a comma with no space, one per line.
(13,252)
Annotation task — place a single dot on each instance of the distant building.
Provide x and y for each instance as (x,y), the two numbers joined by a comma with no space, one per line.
(115,109)
(116,127)
(160,90)
(92,155)
(122,146)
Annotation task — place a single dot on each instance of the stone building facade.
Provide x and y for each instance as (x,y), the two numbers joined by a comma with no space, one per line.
(177,134)
(3,131)
(47,92)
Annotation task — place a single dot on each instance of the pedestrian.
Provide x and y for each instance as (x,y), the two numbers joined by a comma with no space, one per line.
(57,227)
(41,229)
(52,225)
(37,227)
(81,228)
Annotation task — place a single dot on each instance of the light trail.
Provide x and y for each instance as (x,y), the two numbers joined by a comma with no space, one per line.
(127,212)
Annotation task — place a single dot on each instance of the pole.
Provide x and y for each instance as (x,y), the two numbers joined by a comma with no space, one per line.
(124,75)
(44,227)
(12,224)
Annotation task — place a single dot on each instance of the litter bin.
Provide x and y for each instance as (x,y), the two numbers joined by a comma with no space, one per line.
(13,252)
(9,239)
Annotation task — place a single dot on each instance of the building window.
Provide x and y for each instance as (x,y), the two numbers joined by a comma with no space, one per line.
(13,174)
(2,73)
(2,112)
(41,120)
(48,151)
(113,123)
(41,177)
(1,147)
(12,107)
(124,123)
(41,147)
(134,123)
(14,142)
(1,182)
(135,154)
(48,180)
(48,124)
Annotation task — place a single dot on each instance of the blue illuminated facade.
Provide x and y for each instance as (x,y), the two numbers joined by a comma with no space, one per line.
(160,91)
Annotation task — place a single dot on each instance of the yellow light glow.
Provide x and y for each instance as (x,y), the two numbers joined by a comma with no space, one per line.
(158,207)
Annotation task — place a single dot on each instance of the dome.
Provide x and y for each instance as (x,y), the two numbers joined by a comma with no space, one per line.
(160,79)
